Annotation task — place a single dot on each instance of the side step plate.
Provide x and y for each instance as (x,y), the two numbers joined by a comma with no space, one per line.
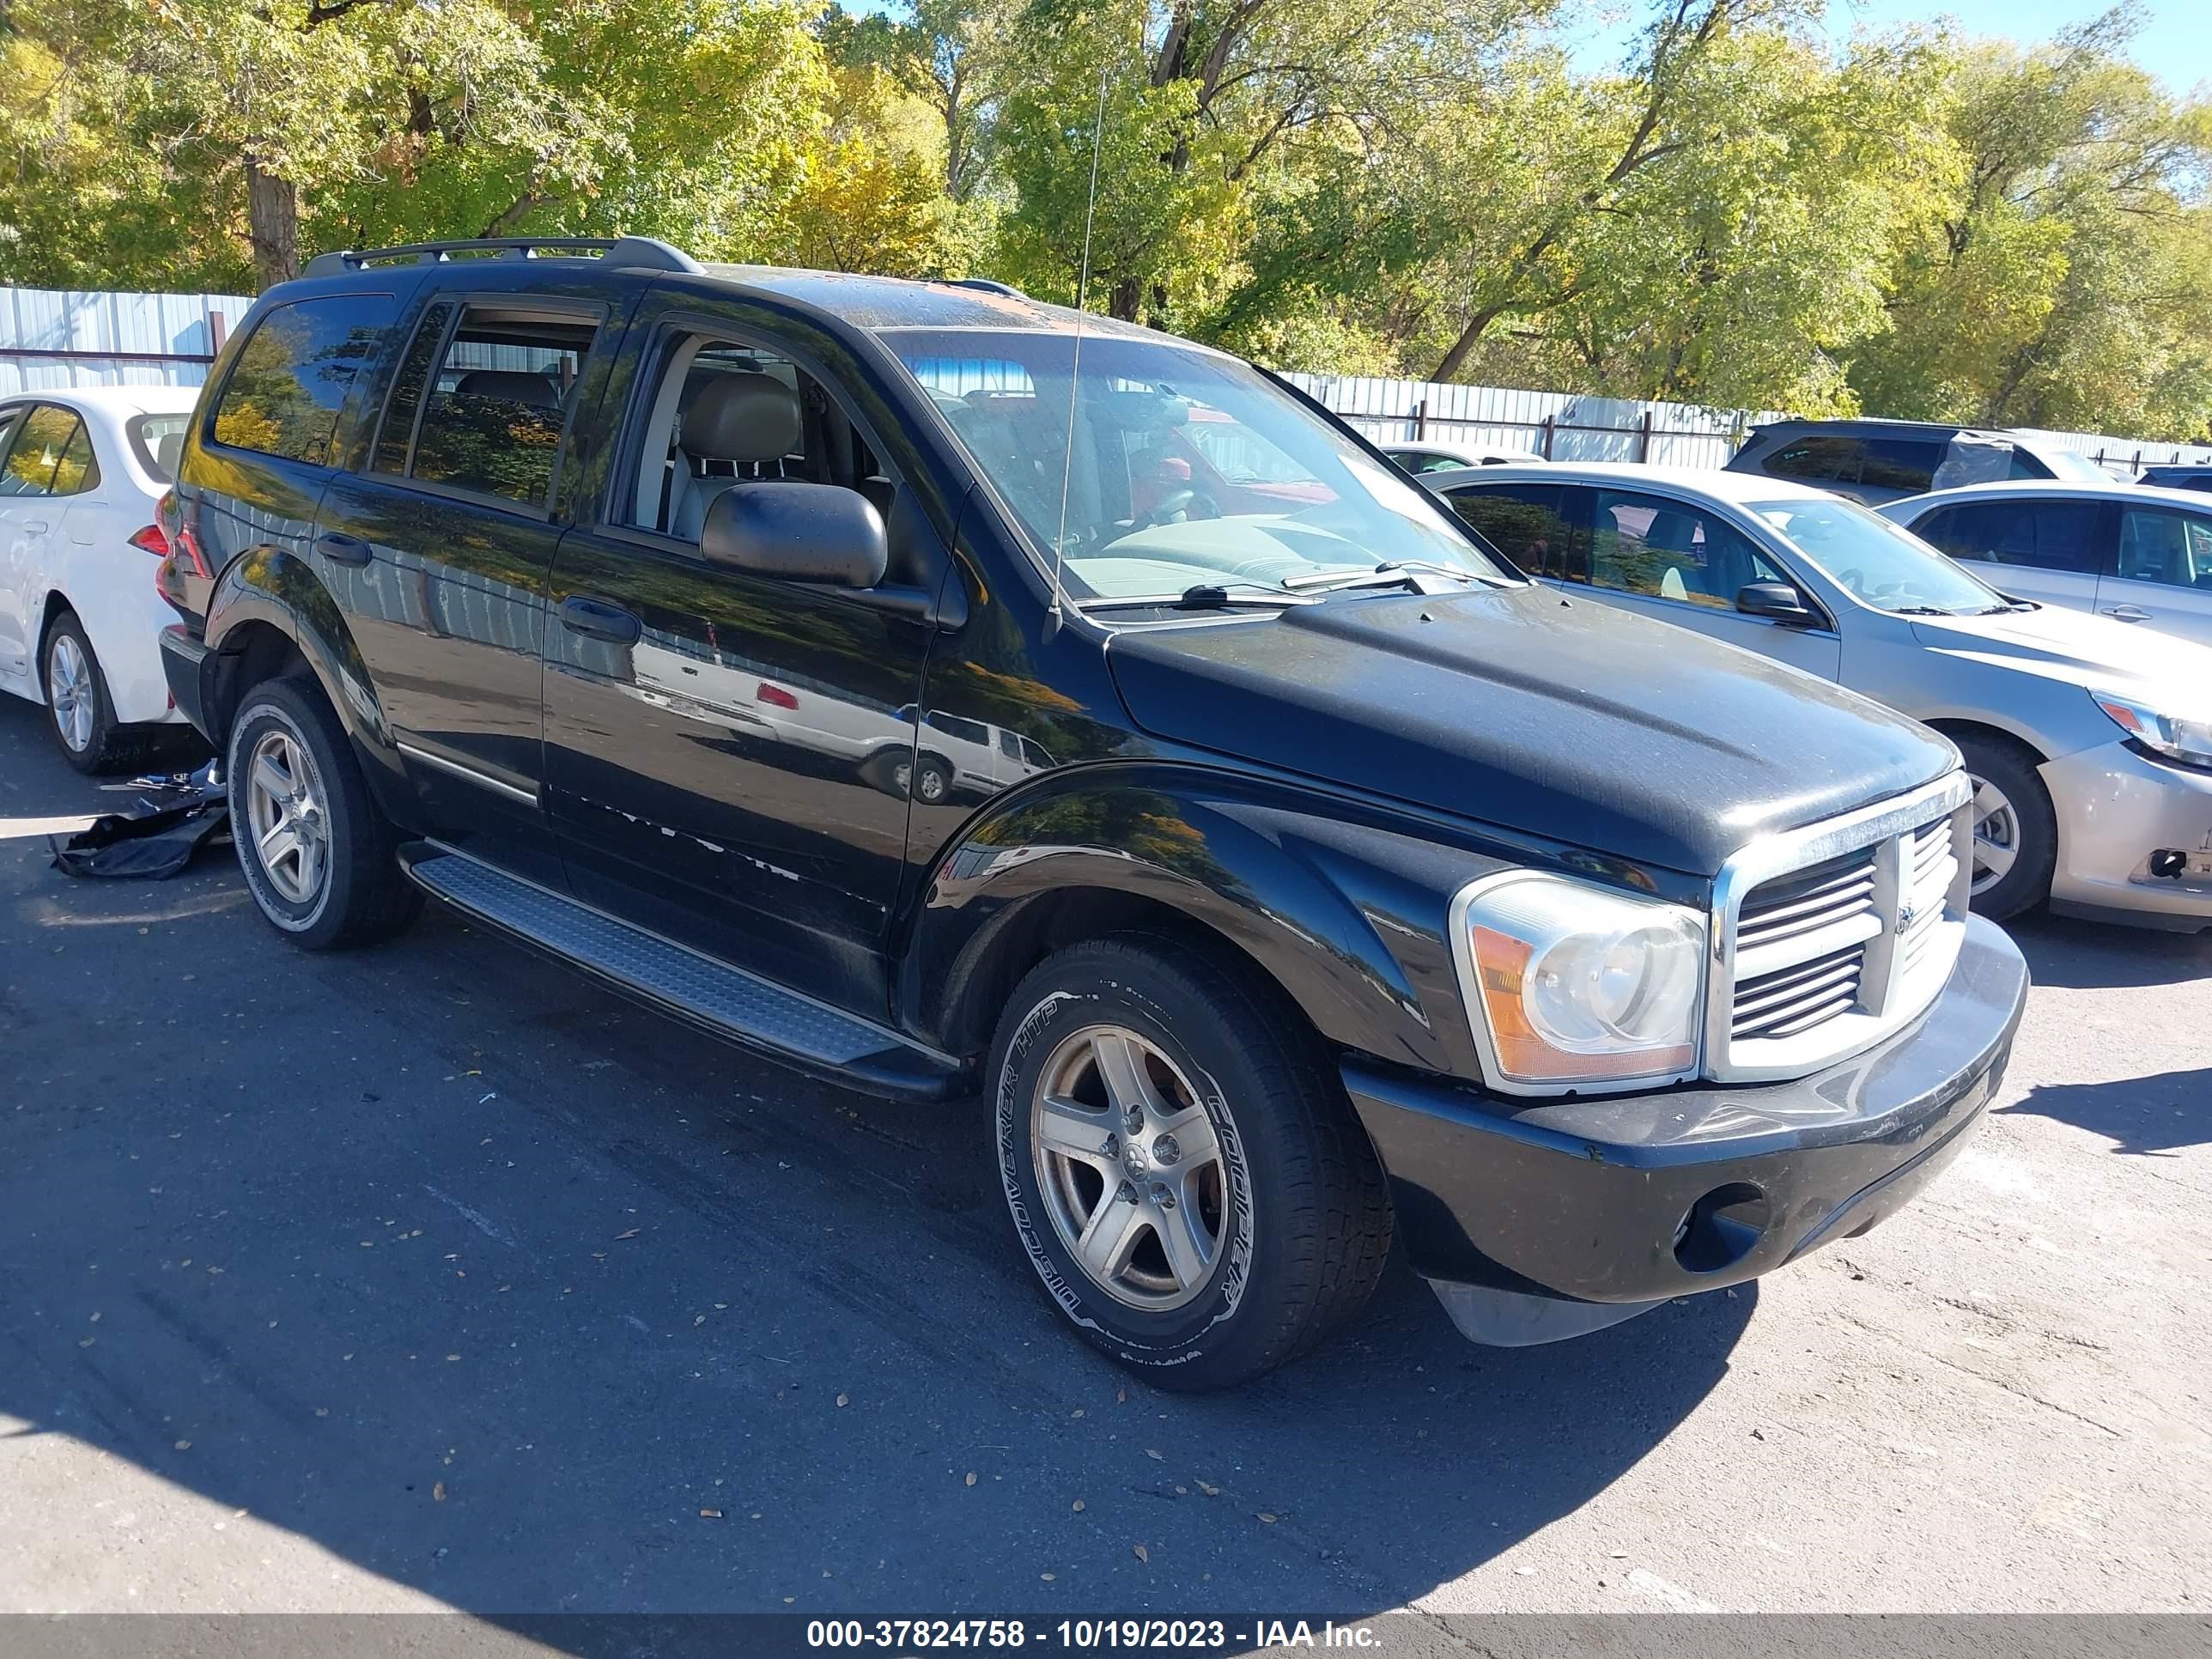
(725,1001)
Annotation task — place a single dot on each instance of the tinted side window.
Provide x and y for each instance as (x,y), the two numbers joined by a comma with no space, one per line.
(2025,465)
(41,440)
(1528,523)
(493,422)
(2042,536)
(1670,549)
(1900,463)
(395,437)
(2160,545)
(956,726)
(1815,458)
(292,375)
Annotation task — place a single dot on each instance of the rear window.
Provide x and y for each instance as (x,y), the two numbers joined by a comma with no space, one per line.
(157,440)
(1528,523)
(494,415)
(291,377)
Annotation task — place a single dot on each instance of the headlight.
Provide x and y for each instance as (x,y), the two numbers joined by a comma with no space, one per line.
(1569,985)
(2176,737)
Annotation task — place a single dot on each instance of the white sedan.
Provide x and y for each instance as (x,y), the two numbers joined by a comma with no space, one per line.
(2089,742)
(1425,455)
(81,470)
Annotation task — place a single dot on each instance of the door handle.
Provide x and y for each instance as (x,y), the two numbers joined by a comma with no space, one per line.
(346,550)
(35,528)
(600,619)
(2128,613)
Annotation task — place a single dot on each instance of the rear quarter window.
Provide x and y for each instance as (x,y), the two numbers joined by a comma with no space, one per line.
(289,384)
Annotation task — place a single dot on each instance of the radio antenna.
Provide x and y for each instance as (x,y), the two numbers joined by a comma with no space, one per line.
(1075,368)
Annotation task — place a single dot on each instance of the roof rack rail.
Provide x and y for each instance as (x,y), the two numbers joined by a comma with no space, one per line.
(987,285)
(627,252)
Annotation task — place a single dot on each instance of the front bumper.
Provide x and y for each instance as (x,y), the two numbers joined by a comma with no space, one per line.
(182,657)
(2117,808)
(1623,1201)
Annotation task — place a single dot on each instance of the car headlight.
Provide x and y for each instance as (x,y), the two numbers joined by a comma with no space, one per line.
(1570,984)
(2177,736)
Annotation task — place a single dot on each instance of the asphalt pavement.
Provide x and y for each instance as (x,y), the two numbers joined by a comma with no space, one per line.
(432,1276)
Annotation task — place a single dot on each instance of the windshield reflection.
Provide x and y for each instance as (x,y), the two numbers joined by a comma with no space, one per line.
(1188,468)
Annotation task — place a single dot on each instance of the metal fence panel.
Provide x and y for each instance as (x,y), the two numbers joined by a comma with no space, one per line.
(52,337)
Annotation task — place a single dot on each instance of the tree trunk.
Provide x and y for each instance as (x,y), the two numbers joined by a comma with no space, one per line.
(1127,292)
(272,211)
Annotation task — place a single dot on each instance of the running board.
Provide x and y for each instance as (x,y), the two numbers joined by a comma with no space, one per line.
(727,1002)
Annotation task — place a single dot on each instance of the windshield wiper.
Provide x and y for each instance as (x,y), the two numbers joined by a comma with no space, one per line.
(2009,608)
(1392,572)
(1921,610)
(1205,596)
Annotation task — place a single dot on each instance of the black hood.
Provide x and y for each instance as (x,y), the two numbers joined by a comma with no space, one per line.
(1526,710)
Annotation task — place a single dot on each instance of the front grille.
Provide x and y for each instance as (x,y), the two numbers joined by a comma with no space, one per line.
(1829,938)
(1793,999)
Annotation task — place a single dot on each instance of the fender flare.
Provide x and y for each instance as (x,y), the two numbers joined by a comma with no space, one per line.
(1343,906)
(270,586)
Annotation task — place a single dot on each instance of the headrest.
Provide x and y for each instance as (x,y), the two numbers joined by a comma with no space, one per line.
(742,417)
(167,452)
(509,385)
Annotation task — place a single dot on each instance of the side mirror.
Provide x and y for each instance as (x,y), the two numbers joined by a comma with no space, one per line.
(1776,602)
(803,532)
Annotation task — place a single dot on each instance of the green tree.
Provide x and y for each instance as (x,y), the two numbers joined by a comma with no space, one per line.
(2064,277)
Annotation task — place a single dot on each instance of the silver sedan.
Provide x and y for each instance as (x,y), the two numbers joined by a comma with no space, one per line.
(2090,742)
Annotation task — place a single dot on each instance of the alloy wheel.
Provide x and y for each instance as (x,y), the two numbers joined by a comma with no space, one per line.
(290,824)
(70,695)
(1131,1168)
(1996,836)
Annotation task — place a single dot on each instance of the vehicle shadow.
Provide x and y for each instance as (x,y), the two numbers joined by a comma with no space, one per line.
(494,1288)
(2098,956)
(2144,1116)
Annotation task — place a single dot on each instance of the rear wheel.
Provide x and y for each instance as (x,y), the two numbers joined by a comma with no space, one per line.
(79,712)
(1183,1170)
(319,859)
(2015,830)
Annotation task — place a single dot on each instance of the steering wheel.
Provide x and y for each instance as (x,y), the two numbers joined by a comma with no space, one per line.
(1177,501)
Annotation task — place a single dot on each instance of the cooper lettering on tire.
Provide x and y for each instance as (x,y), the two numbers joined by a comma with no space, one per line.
(1182,1168)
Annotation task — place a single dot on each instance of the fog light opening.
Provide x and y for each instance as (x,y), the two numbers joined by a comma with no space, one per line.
(1721,1228)
(2169,863)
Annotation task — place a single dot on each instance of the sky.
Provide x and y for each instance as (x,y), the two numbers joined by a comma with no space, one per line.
(2175,42)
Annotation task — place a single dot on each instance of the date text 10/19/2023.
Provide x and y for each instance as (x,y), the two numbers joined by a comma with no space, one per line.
(1084,1635)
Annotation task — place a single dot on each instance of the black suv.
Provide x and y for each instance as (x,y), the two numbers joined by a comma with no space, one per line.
(1878,461)
(943,692)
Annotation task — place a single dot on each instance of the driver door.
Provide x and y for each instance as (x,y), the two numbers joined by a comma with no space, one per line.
(724,750)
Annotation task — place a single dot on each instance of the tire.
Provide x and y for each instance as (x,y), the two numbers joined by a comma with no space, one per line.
(336,883)
(80,713)
(933,781)
(2014,828)
(1288,1213)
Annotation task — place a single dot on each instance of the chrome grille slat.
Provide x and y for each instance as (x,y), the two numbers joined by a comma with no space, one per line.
(1795,998)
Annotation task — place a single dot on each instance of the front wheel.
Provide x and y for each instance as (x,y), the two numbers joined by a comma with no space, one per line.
(1183,1170)
(319,857)
(2015,830)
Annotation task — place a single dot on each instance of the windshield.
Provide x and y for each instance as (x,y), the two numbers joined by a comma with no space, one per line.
(1881,564)
(1188,468)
